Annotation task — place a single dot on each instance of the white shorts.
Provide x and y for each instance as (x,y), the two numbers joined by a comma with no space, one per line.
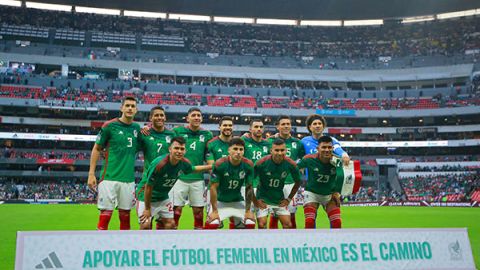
(191,191)
(161,209)
(115,194)
(277,210)
(310,197)
(231,209)
(292,206)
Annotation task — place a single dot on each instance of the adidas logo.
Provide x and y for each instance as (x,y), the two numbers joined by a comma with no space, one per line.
(50,262)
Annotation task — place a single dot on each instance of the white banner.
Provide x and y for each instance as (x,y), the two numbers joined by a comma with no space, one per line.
(245,249)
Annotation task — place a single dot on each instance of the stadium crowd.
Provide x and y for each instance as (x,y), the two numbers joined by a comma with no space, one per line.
(447,187)
(430,38)
(20,189)
(438,38)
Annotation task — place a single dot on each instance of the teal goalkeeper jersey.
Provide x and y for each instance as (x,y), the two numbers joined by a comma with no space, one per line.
(295,151)
(272,178)
(154,145)
(196,149)
(231,178)
(322,177)
(162,175)
(120,142)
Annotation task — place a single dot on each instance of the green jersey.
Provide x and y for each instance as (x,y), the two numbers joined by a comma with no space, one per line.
(162,175)
(272,178)
(196,149)
(255,151)
(155,145)
(295,151)
(120,142)
(217,149)
(231,178)
(322,178)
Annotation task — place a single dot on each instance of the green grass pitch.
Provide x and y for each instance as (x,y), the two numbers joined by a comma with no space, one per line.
(19,217)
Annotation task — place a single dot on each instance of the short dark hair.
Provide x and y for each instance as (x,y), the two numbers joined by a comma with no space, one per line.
(236,141)
(128,98)
(156,108)
(225,118)
(325,139)
(278,141)
(178,139)
(255,120)
(281,117)
(194,109)
(313,117)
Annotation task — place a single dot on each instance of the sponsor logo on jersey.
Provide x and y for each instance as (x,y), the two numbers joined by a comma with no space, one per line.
(120,132)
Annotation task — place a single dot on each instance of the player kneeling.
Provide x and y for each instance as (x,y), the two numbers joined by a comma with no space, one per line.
(322,187)
(273,171)
(228,176)
(152,192)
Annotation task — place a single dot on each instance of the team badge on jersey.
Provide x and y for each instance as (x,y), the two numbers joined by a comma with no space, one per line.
(179,173)
(202,138)
(265,149)
(241,175)
(294,145)
(135,133)
(168,139)
(284,174)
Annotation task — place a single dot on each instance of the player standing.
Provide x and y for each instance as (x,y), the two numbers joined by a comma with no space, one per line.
(322,187)
(154,145)
(229,174)
(295,151)
(272,171)
(116,189)
(192,186)
(158,181)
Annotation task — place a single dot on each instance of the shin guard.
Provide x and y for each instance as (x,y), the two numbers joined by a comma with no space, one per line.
(124,216)
(104,220)
(310,216)
(335,218)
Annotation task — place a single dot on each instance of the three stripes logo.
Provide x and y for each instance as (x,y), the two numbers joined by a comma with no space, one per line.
(50,262)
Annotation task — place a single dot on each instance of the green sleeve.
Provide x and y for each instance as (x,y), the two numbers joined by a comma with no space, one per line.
(151,172)
(103,137)
(215,173)
(295,173)
(301,164)
(301,150)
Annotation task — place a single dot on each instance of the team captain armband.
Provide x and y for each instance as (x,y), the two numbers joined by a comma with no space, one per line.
(349,178)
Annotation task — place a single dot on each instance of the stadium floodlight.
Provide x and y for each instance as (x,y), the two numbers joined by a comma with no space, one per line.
(144,14)
(102,11)
(232,20)
(276,21)
(11,3)
(418,19)
(48,6)
(187,17)
(362,22)
(457,14)
(321,23)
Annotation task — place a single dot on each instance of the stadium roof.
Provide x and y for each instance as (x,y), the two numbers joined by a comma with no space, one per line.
(287,9)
